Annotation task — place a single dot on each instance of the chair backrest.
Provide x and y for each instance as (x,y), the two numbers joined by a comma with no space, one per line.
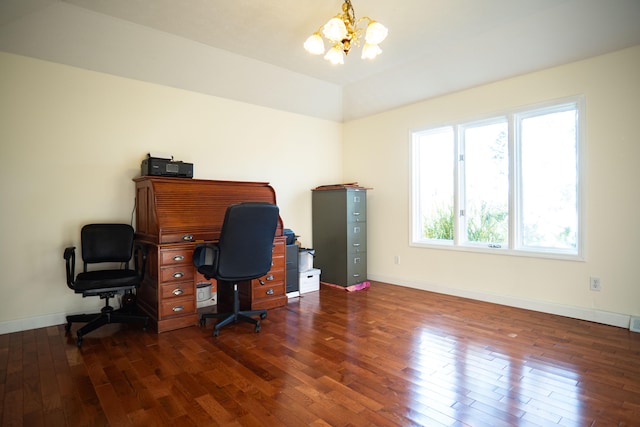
(246,241)
(107,243)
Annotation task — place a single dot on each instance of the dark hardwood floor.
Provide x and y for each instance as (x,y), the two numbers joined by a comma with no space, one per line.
(386,356)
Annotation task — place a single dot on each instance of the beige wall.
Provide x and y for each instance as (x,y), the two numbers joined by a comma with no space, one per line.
(71,140)
(611,86)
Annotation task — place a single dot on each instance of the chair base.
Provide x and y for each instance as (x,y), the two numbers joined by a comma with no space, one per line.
(235,316)
(226,318)
(106,316)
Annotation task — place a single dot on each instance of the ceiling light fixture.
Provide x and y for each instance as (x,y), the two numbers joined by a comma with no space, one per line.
(343,32)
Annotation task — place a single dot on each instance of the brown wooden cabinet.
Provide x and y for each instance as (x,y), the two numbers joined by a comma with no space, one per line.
(175,214)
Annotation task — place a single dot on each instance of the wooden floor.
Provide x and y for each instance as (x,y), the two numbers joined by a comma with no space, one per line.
(386,356)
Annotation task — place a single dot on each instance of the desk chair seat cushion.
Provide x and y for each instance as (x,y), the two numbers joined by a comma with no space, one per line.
(106,279)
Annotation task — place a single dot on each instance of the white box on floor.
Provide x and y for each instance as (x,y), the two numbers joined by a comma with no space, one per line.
(309,281)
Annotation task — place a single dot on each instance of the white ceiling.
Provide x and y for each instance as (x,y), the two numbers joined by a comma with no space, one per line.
(434,46)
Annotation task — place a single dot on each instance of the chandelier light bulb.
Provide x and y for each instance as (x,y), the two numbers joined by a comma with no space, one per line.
(314,44)
(370,51)
(335,30)
(335,55)
(376,33)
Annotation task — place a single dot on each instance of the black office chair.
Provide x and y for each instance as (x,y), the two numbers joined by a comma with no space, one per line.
(243,253)
(106,243)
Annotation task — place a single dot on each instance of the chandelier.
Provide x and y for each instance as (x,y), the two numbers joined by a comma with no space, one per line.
(343,32)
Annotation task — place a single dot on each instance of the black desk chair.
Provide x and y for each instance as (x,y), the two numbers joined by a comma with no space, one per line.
(243,253)
(106,243)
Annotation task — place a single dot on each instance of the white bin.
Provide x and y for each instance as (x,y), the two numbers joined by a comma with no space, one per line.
(309,281)
(305,259)
(204,295)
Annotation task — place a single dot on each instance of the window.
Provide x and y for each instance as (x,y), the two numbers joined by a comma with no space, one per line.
(509,183)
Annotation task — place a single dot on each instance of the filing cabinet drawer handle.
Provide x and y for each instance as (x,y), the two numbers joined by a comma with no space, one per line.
(187,237)
(270,291)
(178,274)
(178,258)
(178,308)
(356,213)
(356,275)
(261,282)
(356,244)
(177,291)
(270,277)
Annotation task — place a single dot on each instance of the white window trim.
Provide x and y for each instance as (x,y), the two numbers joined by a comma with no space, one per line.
(415,236)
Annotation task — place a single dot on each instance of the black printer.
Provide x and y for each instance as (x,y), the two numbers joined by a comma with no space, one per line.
(155,166)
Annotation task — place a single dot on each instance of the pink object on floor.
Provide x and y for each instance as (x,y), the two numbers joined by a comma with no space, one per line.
(352,288)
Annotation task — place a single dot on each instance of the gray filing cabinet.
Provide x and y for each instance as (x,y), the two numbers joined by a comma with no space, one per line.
(339,222)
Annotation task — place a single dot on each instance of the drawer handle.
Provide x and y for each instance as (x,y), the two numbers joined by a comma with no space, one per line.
(356,244)
(187,237)
(178,258)
(178,274)
(178,308)
(261,282)
(270,291)
(177,291)
(356,275)
(356,213)
(270,277)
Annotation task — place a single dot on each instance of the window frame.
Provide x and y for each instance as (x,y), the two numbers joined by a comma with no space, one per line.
(514,247)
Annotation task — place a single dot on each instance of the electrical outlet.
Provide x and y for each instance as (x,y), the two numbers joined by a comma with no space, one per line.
(396,259)
(595,284)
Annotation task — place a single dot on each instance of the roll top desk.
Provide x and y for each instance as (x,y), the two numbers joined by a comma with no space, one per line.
(175,214)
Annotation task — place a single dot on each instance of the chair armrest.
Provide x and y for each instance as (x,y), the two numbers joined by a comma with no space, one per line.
(70,261)
(140,259)
(205,259)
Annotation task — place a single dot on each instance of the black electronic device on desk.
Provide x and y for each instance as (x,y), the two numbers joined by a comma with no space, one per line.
(162,165)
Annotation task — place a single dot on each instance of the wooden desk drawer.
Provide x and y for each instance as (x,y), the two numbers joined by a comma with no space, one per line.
(274,276)
(278,248)
(186,236)
(178,273)
(176,290)
(269,290)
(177,307)
(176,256)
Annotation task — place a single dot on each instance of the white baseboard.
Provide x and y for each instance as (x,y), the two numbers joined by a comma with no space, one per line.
(592,315)
(32,323)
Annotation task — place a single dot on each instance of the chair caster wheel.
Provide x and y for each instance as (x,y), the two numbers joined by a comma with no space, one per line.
(263,316)
(79,341)
(257,328)
(215,332)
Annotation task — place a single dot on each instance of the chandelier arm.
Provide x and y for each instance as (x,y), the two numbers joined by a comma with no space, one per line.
(363,18)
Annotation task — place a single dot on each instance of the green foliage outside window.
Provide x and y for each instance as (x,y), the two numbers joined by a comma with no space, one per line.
(488,226)
(441,225)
